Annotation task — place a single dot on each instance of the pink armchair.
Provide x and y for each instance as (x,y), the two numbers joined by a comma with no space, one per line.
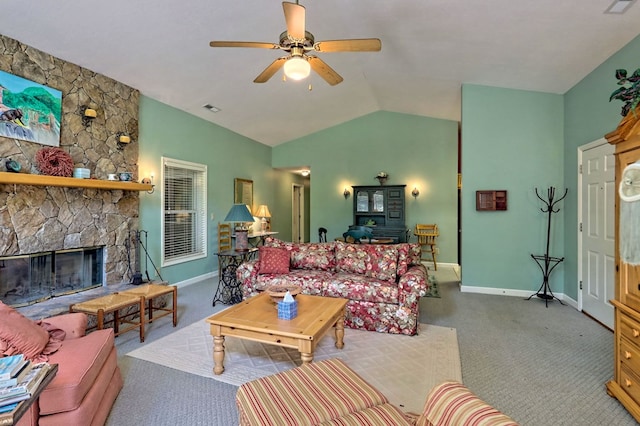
(88,379)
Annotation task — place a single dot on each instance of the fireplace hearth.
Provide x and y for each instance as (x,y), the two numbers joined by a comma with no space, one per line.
(31,278)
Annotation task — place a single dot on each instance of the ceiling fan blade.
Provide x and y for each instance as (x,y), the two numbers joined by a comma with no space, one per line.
(324,70)
(270,70)
(351,45)
(257,44)
(294,15)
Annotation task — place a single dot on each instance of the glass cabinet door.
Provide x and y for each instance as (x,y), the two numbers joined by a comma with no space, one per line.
(378,202)
(362,201)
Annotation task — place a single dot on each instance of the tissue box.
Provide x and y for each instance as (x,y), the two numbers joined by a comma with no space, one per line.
(287,310)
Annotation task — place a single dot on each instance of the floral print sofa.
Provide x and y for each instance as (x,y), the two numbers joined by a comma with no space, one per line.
(382,282)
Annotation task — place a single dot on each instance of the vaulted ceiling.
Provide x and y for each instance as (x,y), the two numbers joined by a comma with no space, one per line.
(429,49)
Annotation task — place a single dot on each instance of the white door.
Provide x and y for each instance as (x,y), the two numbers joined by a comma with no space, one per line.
(598,192)
(297,211)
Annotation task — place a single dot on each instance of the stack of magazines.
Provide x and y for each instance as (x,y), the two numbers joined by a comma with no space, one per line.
(19,379)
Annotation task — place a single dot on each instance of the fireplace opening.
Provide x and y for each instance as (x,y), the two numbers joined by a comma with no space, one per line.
(31,278)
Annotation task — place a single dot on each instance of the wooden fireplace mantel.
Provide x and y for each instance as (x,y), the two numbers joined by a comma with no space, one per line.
(42,180)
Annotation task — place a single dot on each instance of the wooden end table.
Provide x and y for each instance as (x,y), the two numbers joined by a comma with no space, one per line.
(256,319)
(112,303)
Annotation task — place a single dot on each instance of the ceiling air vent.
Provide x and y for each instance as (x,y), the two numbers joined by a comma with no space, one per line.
(211,108)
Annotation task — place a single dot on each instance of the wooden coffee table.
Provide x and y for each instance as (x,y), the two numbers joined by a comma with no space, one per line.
(257,319)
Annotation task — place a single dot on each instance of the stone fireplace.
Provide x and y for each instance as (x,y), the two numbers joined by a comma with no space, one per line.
(48,219)
(28,279)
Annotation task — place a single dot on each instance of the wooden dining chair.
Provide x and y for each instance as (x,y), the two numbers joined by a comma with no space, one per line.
(322,235)
(427,234)
(224,237)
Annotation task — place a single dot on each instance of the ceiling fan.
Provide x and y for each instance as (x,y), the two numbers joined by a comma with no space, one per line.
(299,43)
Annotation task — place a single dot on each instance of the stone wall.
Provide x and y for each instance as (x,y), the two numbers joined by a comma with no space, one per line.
(35,219)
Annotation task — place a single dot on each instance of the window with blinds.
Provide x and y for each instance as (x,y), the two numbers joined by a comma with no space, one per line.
(184,211)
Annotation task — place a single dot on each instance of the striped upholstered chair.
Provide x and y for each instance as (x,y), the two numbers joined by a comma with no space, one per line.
(330,393)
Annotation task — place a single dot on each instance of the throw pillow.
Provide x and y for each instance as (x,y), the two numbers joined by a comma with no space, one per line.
(274,242)
(314,256)
(351,258)
(383,262)
(273,260)
(415,253)
(403,258)
(21,335)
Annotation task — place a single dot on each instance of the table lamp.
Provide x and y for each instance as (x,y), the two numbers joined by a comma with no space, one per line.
(240,213)
(263,213)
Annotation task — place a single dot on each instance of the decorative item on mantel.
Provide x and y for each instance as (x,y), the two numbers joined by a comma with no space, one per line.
(629,95)
(382,177)
(54,162)
(13,166)
(240,214)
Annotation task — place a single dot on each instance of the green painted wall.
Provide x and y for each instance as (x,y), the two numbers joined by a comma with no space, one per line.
(166,131)
(511,140)
(416,151)
(588,117)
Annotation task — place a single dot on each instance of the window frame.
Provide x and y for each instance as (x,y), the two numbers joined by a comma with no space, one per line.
(196,212)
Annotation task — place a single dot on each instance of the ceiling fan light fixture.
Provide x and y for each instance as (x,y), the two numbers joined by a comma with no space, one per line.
(297,68)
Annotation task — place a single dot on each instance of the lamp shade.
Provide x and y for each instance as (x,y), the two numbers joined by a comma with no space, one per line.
(239,213)
(263,211)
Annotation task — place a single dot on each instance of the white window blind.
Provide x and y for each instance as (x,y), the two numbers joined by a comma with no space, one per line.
(184,211)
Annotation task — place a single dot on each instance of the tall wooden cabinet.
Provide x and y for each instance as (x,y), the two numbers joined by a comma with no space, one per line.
(625,385)
(381,208)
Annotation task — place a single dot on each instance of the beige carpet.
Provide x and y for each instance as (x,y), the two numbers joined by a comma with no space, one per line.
(404,368)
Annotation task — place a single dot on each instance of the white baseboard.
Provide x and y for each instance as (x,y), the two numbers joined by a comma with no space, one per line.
(197,279)
(515,293)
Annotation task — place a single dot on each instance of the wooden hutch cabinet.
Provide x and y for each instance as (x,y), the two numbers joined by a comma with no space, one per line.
(625,385)
(381,208)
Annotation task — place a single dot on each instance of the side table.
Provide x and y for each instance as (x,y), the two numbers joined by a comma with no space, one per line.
(112,303)
(149,292)
(228,291)
(11,418)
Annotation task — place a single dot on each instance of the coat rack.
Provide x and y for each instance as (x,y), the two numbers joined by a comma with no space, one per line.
(548,263)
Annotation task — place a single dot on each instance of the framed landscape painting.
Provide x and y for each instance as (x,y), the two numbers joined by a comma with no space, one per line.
(29,111)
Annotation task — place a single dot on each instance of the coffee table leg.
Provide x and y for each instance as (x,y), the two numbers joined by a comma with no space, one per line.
(218,354)
(306,357)
(340,333)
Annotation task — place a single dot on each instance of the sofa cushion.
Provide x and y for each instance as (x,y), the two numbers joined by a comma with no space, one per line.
(415,253)
(273,260)
(79,363)
(403,258)
(362,288)
(379,415)
(351,258)
(311,282)
(313,256)
(312,393)
(451,403)
(21,335)
(383,262)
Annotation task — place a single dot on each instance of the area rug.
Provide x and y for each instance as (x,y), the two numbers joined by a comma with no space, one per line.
(433,287)
(404,368)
